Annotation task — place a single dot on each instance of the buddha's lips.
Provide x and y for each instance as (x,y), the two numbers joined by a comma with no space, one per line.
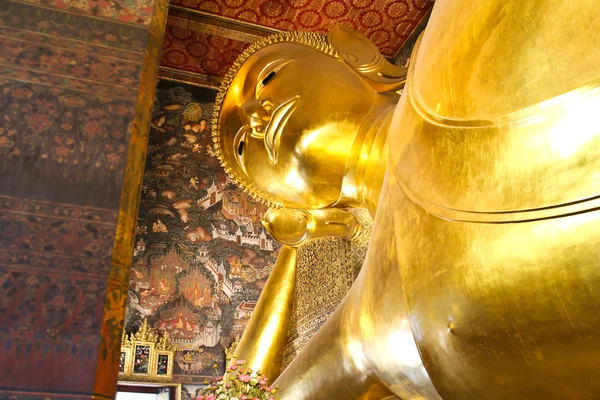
(274,128)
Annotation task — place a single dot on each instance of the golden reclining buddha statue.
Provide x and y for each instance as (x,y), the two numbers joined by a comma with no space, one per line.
(482,279)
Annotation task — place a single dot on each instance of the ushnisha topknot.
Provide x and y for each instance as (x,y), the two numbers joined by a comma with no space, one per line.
(311,39)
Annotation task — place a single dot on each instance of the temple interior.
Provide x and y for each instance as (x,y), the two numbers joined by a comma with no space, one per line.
(299,199)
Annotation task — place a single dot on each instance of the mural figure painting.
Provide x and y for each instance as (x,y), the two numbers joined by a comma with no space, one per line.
(201,255)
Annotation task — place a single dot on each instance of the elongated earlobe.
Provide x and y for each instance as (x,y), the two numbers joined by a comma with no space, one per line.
(362,55)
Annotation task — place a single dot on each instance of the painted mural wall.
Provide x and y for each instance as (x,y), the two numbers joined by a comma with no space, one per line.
(72,122)
(201,256)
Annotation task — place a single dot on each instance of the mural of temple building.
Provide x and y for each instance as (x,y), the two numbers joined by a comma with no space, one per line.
(245,309)
(214,194)
(181,323)
(203,254)
(235,203)
(220,275)
(140,246)
(262,240)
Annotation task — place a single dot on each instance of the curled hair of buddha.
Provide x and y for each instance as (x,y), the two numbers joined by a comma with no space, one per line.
(314,40)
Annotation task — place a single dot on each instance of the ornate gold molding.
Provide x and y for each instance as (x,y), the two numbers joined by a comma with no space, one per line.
(118,277)
(146,356)
(189,78)
(221,26)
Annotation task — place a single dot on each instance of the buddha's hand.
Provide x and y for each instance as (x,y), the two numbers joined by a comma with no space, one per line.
(293,227)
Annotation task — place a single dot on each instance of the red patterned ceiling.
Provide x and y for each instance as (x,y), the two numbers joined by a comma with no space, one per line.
(197,52)
(388,23)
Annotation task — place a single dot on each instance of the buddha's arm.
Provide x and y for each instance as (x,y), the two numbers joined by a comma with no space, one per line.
(265,336)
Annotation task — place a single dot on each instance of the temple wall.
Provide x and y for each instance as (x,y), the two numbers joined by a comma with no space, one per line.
(76,85)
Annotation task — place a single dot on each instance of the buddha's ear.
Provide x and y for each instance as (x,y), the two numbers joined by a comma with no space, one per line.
(362,55)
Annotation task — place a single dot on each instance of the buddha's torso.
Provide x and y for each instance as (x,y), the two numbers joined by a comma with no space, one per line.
(494,180)
(485,243)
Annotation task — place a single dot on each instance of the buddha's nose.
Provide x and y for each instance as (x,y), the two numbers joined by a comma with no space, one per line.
(256,115)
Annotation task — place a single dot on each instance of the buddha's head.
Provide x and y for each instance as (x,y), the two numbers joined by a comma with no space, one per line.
(289,110)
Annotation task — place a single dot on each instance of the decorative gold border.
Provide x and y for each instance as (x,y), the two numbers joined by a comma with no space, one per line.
(209,27)
(134,346)
(234,24)
(169,373)
(118,278)
(189,78)
(128,363)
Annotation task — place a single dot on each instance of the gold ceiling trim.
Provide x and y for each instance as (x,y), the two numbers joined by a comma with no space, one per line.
(218,25)
(189,78)
(211,29)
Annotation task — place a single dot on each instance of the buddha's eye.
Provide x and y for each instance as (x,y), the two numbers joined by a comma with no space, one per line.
(239,145)
(268,78)
(273,68)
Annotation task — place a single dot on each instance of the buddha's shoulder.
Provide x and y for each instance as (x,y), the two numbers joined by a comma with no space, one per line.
(492,58)
(485,139)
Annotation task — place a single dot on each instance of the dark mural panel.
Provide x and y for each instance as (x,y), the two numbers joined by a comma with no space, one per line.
(68,89)
(69,83)
(201,256)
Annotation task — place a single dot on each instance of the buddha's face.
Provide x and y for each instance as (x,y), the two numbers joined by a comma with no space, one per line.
(288,122)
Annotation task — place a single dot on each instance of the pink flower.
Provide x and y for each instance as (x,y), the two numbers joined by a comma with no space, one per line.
(239,362)
(245,378)
(211,397)
(244,397)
